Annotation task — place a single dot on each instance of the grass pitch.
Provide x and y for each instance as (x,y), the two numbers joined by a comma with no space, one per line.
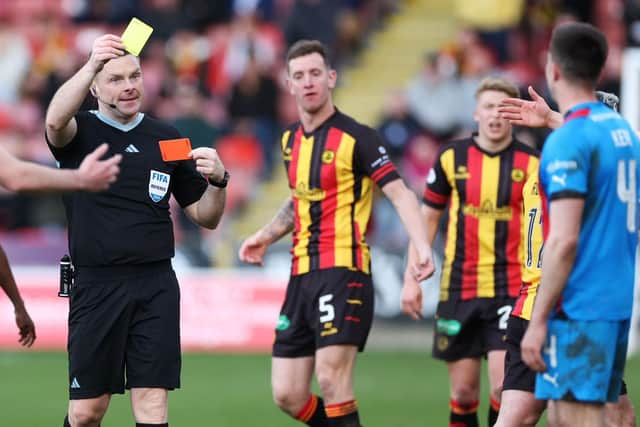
(394,389)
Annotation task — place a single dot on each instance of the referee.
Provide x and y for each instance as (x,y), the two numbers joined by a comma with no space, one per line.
(124,308)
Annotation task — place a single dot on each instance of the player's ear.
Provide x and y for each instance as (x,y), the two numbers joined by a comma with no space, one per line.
(555,70)
(333,78)
(290,85)
(92,89)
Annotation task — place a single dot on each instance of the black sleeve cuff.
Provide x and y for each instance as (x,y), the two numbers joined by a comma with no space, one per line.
(567,194)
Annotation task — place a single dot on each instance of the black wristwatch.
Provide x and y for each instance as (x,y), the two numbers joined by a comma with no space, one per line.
(222,183)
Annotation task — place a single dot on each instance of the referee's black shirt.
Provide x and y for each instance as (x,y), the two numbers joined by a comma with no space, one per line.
(130,222)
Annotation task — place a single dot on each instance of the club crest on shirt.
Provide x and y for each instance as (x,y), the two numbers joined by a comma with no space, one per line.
(158,185)
(327,156)
(517,175)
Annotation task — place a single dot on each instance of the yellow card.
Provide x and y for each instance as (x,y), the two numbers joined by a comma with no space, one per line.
(136,35)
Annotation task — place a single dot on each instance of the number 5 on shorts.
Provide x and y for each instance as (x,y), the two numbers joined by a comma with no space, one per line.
(326,308)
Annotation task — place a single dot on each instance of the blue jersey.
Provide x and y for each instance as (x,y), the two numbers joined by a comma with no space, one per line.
(595,155)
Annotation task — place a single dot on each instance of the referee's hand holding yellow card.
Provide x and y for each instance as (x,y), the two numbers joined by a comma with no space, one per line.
(135,36)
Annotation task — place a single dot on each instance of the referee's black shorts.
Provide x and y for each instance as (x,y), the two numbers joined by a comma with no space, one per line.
(124,319)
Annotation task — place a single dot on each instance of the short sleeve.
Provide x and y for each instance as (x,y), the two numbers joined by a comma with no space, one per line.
(565,165)
(372,158)
(438,188)
(188,184)
(72,154)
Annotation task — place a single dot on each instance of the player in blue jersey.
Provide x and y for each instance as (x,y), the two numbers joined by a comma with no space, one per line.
(519,405)
(588,180)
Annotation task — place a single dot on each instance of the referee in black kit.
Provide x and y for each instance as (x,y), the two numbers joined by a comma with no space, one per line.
(124,306)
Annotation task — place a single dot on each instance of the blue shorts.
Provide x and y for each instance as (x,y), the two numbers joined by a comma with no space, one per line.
(585,360)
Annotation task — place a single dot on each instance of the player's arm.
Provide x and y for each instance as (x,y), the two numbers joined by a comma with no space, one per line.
(92,175)
(372,160)
(208,211)
(61,125)
(559,254)
(23,320)
(255,246)
(411,297)
(435,199)
(406,204)
(535,113)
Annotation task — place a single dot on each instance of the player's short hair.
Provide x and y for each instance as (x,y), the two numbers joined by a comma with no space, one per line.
(307,47)
(499,84)
(580,51)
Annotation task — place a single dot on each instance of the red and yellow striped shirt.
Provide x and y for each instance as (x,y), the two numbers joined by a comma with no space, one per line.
(484,191)
(532,241)
(331,173)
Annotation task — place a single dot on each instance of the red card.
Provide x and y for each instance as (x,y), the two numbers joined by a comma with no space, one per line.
(175,149)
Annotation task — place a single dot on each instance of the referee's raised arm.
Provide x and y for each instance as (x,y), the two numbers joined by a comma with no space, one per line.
(61,125)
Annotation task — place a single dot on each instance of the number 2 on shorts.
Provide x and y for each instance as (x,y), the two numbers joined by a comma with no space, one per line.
(326,308)
(504,313)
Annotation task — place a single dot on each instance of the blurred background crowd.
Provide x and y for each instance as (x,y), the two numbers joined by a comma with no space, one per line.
(215,69)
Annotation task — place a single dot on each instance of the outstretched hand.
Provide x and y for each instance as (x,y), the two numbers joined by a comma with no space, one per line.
(95,174)
(535,113)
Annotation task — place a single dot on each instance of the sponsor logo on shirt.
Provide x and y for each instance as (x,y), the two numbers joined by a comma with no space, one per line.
(488,210)
(381,161)
(305,193)
(557,165)
(131,149)
(462,173)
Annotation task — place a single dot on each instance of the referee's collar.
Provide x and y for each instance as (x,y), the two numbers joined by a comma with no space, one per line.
(113,123)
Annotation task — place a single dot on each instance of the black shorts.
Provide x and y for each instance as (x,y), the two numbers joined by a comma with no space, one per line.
(470,328)
(517,375)
(124,318)
(324,307)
